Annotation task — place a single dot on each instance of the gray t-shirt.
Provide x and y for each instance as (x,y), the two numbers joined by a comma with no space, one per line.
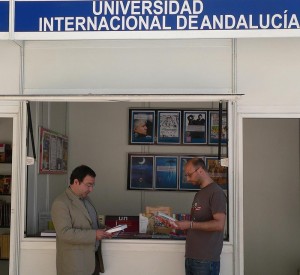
(206,245)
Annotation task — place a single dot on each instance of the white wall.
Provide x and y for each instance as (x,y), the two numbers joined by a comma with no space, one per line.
(10,56)
(268,73)
(128,65)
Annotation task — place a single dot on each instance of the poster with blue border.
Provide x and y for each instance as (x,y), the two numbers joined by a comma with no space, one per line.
(213,128)
(166,172)
(195,127)
(141,172)
(142,126)
(183,183)
(169,127)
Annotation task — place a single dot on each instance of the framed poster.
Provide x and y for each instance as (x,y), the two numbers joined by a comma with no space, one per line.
(53,158)
(183,183)
(213,132)
(195,127)
(142,126)
(169,127)
(217,172)
(166,172)
(140,171)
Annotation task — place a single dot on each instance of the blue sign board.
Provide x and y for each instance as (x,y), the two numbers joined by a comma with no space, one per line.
(4,16)
(103,16)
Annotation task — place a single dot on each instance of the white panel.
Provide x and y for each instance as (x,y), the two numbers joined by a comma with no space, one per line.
(137,64)
(9,67)
(122,257)
(38,261)
(268,72)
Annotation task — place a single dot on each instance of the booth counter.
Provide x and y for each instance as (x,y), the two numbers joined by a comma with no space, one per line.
(136,257)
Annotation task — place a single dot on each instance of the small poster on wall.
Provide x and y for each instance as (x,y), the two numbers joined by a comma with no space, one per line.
(217,172)
(169,127)
(214,128)
(166,172)
(183,181)
(140,172)
(195,127)
(53,152)
(142,126)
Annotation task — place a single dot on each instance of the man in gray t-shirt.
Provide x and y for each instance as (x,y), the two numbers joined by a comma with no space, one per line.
(204,240)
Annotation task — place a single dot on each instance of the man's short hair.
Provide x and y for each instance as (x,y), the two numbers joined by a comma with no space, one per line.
(198,162)
(81,172)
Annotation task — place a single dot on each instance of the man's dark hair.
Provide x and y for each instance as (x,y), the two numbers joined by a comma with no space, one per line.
(198,162)
(81,172)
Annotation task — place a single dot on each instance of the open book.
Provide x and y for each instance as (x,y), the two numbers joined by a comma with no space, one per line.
(165,219)
(117,228)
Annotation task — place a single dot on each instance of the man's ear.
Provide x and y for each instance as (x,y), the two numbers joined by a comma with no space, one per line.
(76,181)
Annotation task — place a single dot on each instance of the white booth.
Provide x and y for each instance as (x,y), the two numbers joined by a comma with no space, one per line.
(81,82)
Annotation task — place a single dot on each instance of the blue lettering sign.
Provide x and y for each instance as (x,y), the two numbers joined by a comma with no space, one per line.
(156,15)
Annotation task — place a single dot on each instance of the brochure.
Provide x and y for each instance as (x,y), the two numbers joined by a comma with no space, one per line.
(117,228)
(166,219)
(48,233)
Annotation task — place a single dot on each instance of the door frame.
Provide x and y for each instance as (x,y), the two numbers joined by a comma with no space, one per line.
(245,113)
(13,112)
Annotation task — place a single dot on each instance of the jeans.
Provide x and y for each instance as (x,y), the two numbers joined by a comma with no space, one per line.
(201,267)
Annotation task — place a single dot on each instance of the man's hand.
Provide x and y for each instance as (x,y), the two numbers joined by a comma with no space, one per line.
(216,224)
(182,225)
(102,234)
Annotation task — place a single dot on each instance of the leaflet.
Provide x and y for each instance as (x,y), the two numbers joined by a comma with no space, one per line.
(117,228)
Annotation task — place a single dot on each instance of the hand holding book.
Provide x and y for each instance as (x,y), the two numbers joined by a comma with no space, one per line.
(166,219)
(117,228)
(102,234)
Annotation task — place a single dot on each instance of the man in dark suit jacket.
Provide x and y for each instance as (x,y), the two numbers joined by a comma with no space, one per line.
(78,247)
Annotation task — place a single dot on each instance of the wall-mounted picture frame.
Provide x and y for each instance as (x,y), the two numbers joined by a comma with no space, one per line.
(142,126)
(195,127)
(213,129)
(166,172)
(183,183)
(53,155)
(169,127)
(217,172)
(140,172)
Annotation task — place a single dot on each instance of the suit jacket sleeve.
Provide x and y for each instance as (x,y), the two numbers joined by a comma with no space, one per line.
(71,225)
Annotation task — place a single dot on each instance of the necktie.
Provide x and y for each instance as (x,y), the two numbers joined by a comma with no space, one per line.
(93,215)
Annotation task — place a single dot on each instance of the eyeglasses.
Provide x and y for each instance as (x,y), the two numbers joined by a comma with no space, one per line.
(190,174)
(89,185)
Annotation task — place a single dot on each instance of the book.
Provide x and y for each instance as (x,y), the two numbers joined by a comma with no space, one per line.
(165,219)
(48,233)
(132,222)
(117,228)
